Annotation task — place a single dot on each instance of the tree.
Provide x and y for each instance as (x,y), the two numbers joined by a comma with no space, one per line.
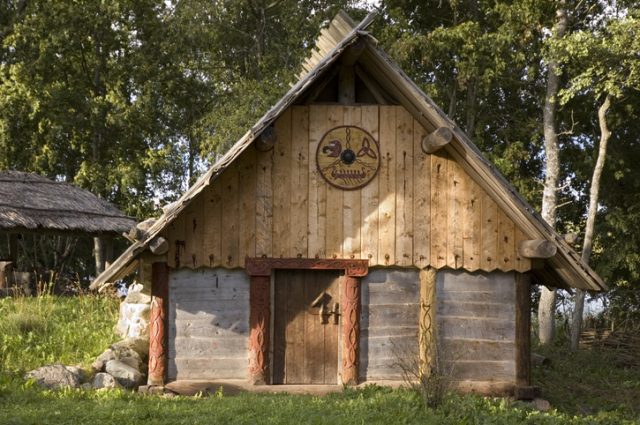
(547,303)
(481,62)
(605,67)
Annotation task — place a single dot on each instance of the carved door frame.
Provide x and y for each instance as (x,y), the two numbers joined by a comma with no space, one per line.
(260,270)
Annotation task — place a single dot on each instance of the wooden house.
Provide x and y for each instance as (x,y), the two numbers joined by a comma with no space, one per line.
(353,223)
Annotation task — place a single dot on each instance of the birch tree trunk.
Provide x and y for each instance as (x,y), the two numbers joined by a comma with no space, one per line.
(594,194)
(547,304)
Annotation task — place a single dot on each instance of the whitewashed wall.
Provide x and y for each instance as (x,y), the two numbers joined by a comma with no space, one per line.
(208,324)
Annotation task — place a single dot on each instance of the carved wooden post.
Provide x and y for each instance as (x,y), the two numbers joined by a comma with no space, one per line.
(259,295)
(350,329)
(157,324)
(426,337)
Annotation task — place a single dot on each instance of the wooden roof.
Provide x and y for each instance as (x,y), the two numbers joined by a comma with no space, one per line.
(565,269)
(29,202)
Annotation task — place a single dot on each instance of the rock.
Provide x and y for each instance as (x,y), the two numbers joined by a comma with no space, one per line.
(133,321)
(86,386)
(54,377)
(104,380)
(129,357)
(100,362)
(541,404)
(139,345)
(78,371)
(137,297)
(126,375)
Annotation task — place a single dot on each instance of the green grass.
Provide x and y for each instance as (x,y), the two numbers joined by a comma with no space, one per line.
(371,405)
(585,388)
(588,381)
(48,329)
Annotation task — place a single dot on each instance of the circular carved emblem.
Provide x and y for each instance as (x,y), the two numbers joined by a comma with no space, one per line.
(348,157)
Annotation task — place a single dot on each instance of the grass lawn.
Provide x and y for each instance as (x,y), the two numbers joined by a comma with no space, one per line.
(585,388)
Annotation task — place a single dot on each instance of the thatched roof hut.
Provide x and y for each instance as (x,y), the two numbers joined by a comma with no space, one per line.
(29,202)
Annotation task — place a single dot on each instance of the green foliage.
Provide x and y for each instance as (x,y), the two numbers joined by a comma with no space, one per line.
(48,329)
(588,382)
(480,61)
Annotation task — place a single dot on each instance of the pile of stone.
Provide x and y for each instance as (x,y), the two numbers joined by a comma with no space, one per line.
(122,365)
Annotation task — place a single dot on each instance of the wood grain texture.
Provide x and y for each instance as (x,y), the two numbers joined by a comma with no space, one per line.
(334,236)
(457,192)
(387,186)
(281,184)
(247,200)
(230,235)
(522,264)
(506,242)
(370,195)
(352,204)
(489,260)
(389,321)
(523,329)
(208,324)
(305,342)
(158,318)
(264,205)
(476,324)
(194,220)
(439,210)
(404,188)
(419,210)
(421,200)
(472,234)
(317,219)
(207,368)
(212,207)
(300,158)
(426,337)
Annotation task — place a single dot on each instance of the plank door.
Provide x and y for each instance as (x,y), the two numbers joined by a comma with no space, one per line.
(306,327)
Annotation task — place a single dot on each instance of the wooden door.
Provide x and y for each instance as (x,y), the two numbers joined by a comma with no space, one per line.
(306,327)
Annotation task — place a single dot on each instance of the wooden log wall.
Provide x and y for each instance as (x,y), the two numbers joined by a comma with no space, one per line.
(419,210)
(389,323)
(208,324)
(476,327)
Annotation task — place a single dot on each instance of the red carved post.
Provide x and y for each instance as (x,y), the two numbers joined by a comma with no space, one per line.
(259,296)
(157,323)
(350,329)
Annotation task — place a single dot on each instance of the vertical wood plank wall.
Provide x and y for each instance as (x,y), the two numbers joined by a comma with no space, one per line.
(419,210)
